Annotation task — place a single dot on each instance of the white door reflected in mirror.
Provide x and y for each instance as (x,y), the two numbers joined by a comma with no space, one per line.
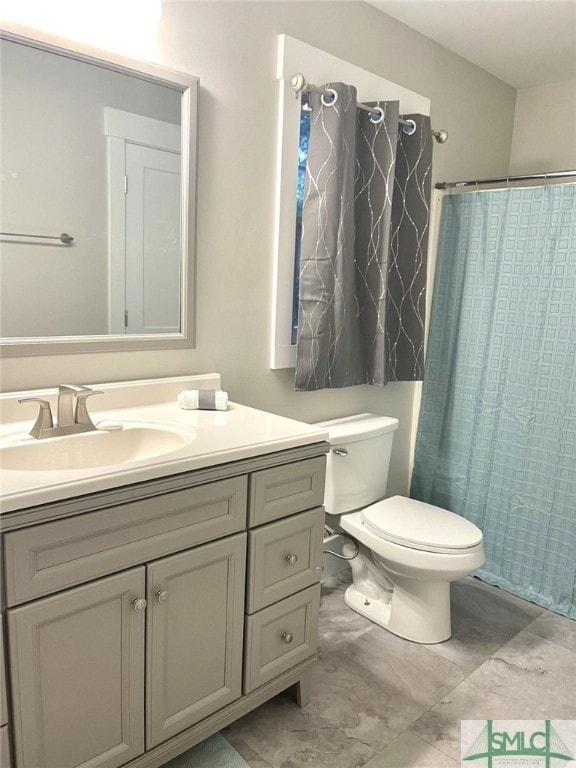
(144,181)
(152,240)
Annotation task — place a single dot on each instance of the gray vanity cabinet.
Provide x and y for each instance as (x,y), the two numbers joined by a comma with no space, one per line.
(143,619)
(77,663)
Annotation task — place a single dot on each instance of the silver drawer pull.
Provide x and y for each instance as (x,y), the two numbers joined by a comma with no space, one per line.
(162,595)
(292,559)
(287,637)
(340,451)
(139,604)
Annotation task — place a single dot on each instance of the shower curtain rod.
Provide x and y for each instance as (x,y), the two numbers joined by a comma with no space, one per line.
(503,179)
(299,83)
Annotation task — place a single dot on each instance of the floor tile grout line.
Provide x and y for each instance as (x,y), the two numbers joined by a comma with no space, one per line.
(489,658)
(534,634)
(417,735)
(549,639)
(409,726)
(440,700)
(504,644)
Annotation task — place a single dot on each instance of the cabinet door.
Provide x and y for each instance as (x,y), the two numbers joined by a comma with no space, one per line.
(194,635)
(77,664)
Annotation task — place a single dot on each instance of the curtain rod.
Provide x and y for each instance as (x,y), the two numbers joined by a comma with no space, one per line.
(299,83)
(502,179)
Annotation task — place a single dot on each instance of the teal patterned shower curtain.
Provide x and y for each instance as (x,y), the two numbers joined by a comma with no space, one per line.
(496,439)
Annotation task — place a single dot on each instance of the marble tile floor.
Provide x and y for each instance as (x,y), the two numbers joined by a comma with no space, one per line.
(382,702)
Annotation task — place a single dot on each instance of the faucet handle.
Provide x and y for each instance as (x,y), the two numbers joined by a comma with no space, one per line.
(74,388)
(81,414)
(44,421)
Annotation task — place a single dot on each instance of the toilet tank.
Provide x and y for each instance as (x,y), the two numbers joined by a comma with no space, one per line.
(358,461)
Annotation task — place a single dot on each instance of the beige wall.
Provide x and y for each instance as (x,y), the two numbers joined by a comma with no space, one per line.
(232,47)
(544,137)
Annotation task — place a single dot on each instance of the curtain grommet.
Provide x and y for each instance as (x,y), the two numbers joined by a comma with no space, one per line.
(409,129)
(333,98)
(377,116)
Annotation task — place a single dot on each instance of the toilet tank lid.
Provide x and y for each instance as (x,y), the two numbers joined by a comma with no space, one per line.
(358,427)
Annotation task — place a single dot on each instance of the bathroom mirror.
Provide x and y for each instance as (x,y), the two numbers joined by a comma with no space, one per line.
(98,188)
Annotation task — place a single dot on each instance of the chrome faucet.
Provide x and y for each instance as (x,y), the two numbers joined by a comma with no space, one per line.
(72,413)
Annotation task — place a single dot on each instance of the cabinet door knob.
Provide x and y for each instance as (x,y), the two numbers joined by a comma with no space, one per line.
(287,637)
(162,595)
(139,604)
(292,559)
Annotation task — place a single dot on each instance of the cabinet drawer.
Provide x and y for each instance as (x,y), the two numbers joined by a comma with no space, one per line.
(282,491)
(284,557)
(281,636)
(46,558)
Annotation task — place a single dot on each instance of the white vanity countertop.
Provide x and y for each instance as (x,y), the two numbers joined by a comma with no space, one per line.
(219,437)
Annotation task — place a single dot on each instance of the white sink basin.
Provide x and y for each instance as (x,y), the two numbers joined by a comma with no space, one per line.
(158,439)
(136,441)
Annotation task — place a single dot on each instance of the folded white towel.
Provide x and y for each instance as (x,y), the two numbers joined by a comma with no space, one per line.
(203,399)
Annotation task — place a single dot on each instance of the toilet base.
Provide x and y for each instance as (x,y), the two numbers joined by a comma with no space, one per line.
(404,590)
(414,611)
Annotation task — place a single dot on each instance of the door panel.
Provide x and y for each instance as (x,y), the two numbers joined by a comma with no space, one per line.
(77,663)
(195,623)
(152,240)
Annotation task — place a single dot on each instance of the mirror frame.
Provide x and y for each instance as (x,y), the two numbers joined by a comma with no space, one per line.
(188,87)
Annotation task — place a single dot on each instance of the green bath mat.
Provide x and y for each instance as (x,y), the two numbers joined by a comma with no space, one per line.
(214,752)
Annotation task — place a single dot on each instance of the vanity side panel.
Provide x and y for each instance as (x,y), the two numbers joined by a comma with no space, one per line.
(4,735)
(3,703)
(49,557)
(4,748)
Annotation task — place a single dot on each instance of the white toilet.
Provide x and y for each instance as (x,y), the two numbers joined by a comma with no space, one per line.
(408,551)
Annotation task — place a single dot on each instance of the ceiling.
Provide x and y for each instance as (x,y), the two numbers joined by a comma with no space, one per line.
(522,42)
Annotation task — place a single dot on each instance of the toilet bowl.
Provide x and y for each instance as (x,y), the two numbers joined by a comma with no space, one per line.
(407,552)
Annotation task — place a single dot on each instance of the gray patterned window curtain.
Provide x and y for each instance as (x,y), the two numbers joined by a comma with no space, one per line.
(363,251)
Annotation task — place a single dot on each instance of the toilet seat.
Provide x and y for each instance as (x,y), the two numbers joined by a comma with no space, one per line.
(417,525)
